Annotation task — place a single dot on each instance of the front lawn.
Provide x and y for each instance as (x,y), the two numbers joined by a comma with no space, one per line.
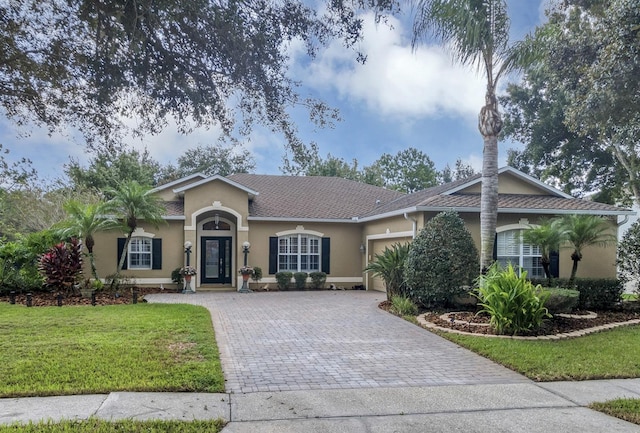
(606,355)
(626,409)
(85,350)
(129,426)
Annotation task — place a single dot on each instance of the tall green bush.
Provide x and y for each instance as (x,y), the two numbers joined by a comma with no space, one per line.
(442,261)
(19,261)
(512,302)
(629,256)
(389,265)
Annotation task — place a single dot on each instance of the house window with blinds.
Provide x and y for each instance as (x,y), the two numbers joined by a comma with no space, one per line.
(299,253)
(524,256)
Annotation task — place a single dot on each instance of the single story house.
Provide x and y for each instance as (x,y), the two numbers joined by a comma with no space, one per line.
(332,225)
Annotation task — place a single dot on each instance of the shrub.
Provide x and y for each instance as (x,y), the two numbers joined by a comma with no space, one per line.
(595,293)
(256,275)
(284,280)
(562,300)
(629,256)
(512,302)
(389,265)
(19,261)
(403,306)
(318,279)
(177,277)
(599,293)
(300,279)
(62,266)
(441,261)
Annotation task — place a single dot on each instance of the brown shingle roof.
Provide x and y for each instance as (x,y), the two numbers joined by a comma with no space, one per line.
(521,202)
(313,197)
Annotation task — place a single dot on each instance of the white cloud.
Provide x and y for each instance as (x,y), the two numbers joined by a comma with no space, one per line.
(396,81)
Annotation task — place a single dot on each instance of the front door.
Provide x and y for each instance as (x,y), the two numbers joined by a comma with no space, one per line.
(216,260)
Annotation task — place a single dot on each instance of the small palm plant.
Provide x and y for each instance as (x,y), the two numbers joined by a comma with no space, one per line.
(389,265)
(583,231)
(548,236)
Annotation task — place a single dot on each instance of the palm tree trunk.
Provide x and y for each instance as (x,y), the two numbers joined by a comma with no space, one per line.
(574,270)
(92,262)
(123,256)
(489,124)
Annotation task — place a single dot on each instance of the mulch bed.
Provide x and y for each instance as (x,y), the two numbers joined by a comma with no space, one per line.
(49,299)
(555,325)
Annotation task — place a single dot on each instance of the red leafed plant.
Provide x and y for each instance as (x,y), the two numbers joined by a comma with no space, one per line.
(62,266)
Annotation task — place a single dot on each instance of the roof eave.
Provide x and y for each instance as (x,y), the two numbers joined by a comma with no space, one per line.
(295,219)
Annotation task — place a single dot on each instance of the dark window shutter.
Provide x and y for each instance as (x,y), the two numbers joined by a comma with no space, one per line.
(273,255)
(121,242)
(495,248)
(326,255)
(554,264)
(156,253)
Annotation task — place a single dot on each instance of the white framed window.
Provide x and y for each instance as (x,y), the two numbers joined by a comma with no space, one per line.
(139,253)
(512,249)
(299,253)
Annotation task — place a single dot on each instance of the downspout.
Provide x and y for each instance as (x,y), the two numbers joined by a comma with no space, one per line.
(414,221)
(624,221)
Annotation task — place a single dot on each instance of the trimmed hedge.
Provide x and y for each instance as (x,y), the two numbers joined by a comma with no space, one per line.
(561,300)
(595,293)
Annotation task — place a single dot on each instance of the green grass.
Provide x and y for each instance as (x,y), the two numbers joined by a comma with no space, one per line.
(129,426)
(84,350)
(626,409)
(606,355)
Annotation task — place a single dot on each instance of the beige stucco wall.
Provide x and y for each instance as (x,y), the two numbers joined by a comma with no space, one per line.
(106,252)
(509,184)
(345,258)
(204,196)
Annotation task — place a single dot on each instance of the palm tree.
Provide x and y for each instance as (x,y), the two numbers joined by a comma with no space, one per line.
(548,235)
(389,265)
(583,231)
(131,203)
(477,33)
(83,221)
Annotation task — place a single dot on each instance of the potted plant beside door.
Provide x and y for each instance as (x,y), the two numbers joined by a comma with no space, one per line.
(187,272)
(246,272)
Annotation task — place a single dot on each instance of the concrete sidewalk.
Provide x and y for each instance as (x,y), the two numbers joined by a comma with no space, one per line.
(513,407)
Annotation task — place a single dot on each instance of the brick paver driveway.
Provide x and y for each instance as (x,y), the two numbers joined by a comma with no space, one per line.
(327,340)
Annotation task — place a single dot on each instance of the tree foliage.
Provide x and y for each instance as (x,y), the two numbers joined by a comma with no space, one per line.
(476,32)
(83,222)
(578,109)
(111,166)
(209,160)
(442,260)
(130,204)
(629,256)
(409,170)
(90,64)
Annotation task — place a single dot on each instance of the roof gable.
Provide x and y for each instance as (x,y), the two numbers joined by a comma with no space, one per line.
(228,181)
(180,182)
(511,181)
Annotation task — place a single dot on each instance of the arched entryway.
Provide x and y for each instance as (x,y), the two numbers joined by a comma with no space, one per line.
(216,241)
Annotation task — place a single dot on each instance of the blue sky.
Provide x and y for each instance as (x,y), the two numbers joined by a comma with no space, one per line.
(400,98)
